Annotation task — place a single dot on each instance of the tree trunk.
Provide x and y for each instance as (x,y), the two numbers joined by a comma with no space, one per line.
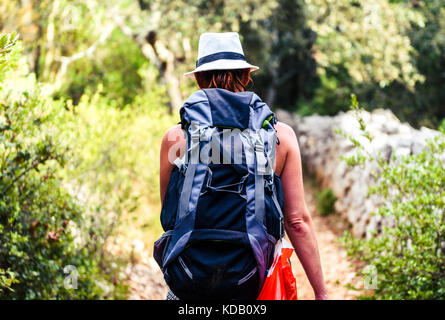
(155,51)
(50,32)
(158,54)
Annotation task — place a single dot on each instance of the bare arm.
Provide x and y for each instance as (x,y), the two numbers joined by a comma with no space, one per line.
(298,221)
(172,147)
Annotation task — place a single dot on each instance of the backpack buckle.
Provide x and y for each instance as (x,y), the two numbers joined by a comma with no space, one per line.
(259,146)
(180,163)
(269,185)
(263,165)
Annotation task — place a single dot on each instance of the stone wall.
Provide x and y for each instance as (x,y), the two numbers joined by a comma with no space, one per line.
(321,149)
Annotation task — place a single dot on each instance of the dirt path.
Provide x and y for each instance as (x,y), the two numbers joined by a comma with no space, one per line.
(335,264)
(146,280)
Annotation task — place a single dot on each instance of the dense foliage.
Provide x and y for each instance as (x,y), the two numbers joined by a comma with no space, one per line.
(312,53)
(408,258)
(37,214)
(67,186)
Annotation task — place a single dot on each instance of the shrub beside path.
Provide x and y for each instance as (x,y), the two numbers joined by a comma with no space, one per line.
(146,281)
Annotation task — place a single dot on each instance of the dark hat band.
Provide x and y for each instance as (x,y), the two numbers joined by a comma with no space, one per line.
(220,55)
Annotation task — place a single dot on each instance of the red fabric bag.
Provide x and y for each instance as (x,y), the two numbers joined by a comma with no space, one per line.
(280,282)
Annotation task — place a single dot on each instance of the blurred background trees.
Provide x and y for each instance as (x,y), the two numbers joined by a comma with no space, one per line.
(89,87)
(312,53)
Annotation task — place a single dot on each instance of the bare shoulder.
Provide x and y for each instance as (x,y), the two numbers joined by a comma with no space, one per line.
(173,145)
(287,148)
(173,130)
(173,135)
(286,134)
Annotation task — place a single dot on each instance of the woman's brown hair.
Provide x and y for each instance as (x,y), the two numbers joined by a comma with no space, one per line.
(233,80)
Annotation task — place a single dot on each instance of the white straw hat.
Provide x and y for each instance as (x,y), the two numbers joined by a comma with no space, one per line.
(220,51)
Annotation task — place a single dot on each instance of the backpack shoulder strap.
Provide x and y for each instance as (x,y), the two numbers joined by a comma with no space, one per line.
(195,174)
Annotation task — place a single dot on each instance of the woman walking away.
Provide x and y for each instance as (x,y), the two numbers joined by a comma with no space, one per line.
(231,185)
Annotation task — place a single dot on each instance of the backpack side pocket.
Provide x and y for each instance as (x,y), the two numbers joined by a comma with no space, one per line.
(160,247)
(171,199)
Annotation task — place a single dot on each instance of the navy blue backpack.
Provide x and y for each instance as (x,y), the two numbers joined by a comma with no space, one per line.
(222,211)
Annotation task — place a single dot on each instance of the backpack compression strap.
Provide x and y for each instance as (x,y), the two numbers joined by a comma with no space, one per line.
(194,179)
(255,204)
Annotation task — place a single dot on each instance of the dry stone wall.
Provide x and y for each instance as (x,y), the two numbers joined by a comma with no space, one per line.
(321,149)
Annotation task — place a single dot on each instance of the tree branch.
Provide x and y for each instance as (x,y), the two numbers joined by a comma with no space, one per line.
(65,61)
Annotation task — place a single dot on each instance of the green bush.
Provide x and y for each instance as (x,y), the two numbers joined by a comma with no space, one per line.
(325,202)
(408,257)
(442,125)
(38,215)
